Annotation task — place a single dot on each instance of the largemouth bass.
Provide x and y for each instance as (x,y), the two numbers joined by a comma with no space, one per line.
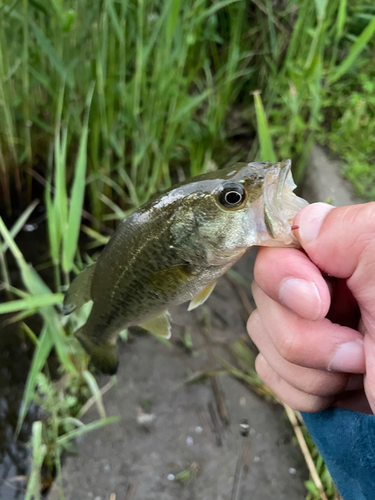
(174,248)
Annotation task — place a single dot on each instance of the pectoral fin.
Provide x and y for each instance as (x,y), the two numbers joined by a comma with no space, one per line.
(79,291)
(170,279)
(159,325)
(202,296)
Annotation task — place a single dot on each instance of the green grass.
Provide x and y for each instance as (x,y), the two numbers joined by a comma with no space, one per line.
(111,101)
(166,75)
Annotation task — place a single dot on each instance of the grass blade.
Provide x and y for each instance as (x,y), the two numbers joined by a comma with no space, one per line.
(266,149)
(87,428)
(354,52)
(52,54)
(77,195)
(31,303)
(94,388)
(20,222)
(39,359)
(39,450)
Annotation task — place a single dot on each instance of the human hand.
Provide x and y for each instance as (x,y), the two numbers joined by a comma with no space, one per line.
(316,333)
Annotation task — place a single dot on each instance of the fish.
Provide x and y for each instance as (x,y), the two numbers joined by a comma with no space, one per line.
(174,248)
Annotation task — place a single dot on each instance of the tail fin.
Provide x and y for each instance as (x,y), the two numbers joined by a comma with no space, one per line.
(103,356)
(79,291)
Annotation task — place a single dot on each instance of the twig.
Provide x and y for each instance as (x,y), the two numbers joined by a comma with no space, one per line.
(92,400)
(220,400)
(215,424)
(131,491)
(305,450)
(243,462)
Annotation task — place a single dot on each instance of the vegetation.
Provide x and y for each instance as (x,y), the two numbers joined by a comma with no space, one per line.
(107,102)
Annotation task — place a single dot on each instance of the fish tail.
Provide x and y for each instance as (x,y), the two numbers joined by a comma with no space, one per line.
(103,356)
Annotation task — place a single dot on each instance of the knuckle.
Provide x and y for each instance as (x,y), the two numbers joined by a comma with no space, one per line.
(288,346)
(261,367)
(322,384)
(253,323)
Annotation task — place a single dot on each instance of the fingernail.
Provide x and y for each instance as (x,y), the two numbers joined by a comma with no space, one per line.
(310,221)
(301,296)
(349,358)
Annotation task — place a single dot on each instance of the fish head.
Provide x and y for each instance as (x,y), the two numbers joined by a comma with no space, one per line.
(244,205)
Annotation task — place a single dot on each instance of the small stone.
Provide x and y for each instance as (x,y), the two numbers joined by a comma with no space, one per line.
(30,227)
(292,470)
(189,441)
(144,418)
(198,429)
(170,477)
(242,401)
(256,459)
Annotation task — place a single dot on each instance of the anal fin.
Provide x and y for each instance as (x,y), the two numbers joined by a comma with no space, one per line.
(159,325)
(202,296)
(79,291)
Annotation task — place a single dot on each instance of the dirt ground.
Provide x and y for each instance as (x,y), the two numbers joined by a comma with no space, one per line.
(187,451)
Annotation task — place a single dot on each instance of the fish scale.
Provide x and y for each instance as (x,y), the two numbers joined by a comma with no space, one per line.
(175,247)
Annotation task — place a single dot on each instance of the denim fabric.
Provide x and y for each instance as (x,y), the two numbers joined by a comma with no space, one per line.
(346,440)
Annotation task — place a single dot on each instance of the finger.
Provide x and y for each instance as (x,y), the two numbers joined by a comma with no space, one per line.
(293,397)
(308,380)
(321,345)
(340,240)
(288,276)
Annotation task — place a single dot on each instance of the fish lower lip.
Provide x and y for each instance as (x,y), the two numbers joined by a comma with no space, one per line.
(280,203)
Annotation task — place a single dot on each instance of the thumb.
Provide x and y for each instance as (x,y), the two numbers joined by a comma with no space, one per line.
(341,242)
(336,237)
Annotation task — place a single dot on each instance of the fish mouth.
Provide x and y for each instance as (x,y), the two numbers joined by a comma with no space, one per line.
(281,205)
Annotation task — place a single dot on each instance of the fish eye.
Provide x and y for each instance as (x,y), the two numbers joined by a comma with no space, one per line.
(232,195)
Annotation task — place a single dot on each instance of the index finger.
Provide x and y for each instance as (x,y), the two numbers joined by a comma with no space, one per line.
(289,277)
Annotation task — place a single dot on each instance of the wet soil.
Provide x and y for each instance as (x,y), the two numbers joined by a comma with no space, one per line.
(188,437)
(16,353)
(14,455)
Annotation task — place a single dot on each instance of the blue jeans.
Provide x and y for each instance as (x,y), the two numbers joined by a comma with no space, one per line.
(346,440)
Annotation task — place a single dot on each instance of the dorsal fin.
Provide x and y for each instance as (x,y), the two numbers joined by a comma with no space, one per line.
(79,291)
